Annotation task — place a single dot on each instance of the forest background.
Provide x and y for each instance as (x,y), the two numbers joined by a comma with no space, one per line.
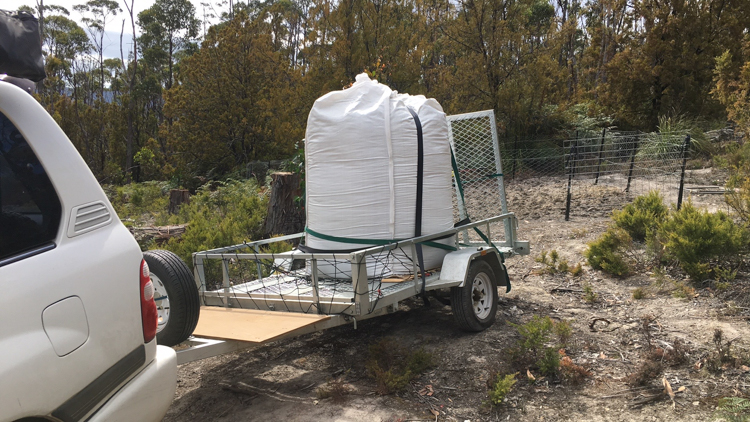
(195,102)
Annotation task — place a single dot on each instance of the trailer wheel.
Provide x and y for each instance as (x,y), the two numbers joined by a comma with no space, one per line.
(176,297)
(475,303)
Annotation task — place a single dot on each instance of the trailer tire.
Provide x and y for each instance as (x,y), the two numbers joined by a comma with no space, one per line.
(176,296)
(475,303)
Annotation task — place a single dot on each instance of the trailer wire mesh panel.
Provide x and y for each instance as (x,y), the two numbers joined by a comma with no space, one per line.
(479,185)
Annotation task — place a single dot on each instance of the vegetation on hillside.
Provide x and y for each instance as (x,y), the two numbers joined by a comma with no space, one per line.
(196,101)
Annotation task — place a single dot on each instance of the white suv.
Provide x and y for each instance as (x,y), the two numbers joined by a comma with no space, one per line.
(77,314)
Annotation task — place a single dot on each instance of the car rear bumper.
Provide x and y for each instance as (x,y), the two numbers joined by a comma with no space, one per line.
(147,396)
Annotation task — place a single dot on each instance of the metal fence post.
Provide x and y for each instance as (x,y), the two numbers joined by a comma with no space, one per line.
(632,163)
(601,150)
(515,157)
(685,148)
(572,169)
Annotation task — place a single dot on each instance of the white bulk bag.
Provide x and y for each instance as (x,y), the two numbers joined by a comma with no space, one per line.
(361,174)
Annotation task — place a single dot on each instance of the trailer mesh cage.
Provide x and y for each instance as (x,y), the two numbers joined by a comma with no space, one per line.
(269,275)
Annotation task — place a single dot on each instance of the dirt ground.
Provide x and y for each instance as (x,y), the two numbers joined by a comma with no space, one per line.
(279,381)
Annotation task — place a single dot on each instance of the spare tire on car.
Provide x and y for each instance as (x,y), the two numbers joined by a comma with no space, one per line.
(176,296)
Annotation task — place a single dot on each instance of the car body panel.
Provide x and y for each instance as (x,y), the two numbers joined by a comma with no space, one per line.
(99,265)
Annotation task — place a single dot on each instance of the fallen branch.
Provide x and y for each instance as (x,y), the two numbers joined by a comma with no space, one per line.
(623,392)
(241,387)
(160,233)
(561,290)
(648,399)
(237,389)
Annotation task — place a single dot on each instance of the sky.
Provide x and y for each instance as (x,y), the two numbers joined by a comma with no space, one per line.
(114,26)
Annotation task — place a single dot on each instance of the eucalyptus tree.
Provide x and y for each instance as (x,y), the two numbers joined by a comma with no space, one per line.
(167,27)
(95,14)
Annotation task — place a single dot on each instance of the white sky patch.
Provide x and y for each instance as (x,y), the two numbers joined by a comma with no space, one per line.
(114,24)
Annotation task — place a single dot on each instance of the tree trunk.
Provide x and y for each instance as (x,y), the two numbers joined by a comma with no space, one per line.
(178,197)
(285,215)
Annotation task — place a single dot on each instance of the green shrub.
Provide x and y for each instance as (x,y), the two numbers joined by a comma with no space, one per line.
(641,216)
(738,193)
(335,389)
(589,295)
(639,293)
(672,131)
(683,290)
(501,388)
(536,345)
(232,213)
(534,333)
(549,363)
(143,203)
(734,409)
(553,264)
(695,237)
(606,253)
(563,331)
(392,365)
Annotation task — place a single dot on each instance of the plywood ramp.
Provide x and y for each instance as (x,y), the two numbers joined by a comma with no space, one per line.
(251,325)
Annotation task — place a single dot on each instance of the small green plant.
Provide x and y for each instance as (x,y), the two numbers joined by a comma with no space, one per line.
(554,264)
(721,285)
(639,293)
(578,233)
(661,281)
(549,261)
(694,237)
(607,252)
(563,331)
(335,389)
(392,365)
(727,274)
(682,290)
(537,346)
(589,295)
(577,270)
(563,266)
(549,363)
(641,216)
(733,409)
(501,388)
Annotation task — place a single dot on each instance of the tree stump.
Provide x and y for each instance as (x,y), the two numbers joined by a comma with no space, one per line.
(285,214)
(178,197)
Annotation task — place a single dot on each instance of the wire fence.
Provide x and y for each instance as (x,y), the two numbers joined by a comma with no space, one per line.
(596,172)
(590,173)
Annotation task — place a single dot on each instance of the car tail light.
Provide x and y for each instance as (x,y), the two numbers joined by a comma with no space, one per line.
(148,306)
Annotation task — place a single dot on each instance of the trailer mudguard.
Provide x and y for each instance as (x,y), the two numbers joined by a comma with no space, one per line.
(456,265)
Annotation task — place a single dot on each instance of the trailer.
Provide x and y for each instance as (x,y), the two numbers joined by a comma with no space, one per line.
(257,292)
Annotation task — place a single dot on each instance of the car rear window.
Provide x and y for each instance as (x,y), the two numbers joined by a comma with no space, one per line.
(30,210)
